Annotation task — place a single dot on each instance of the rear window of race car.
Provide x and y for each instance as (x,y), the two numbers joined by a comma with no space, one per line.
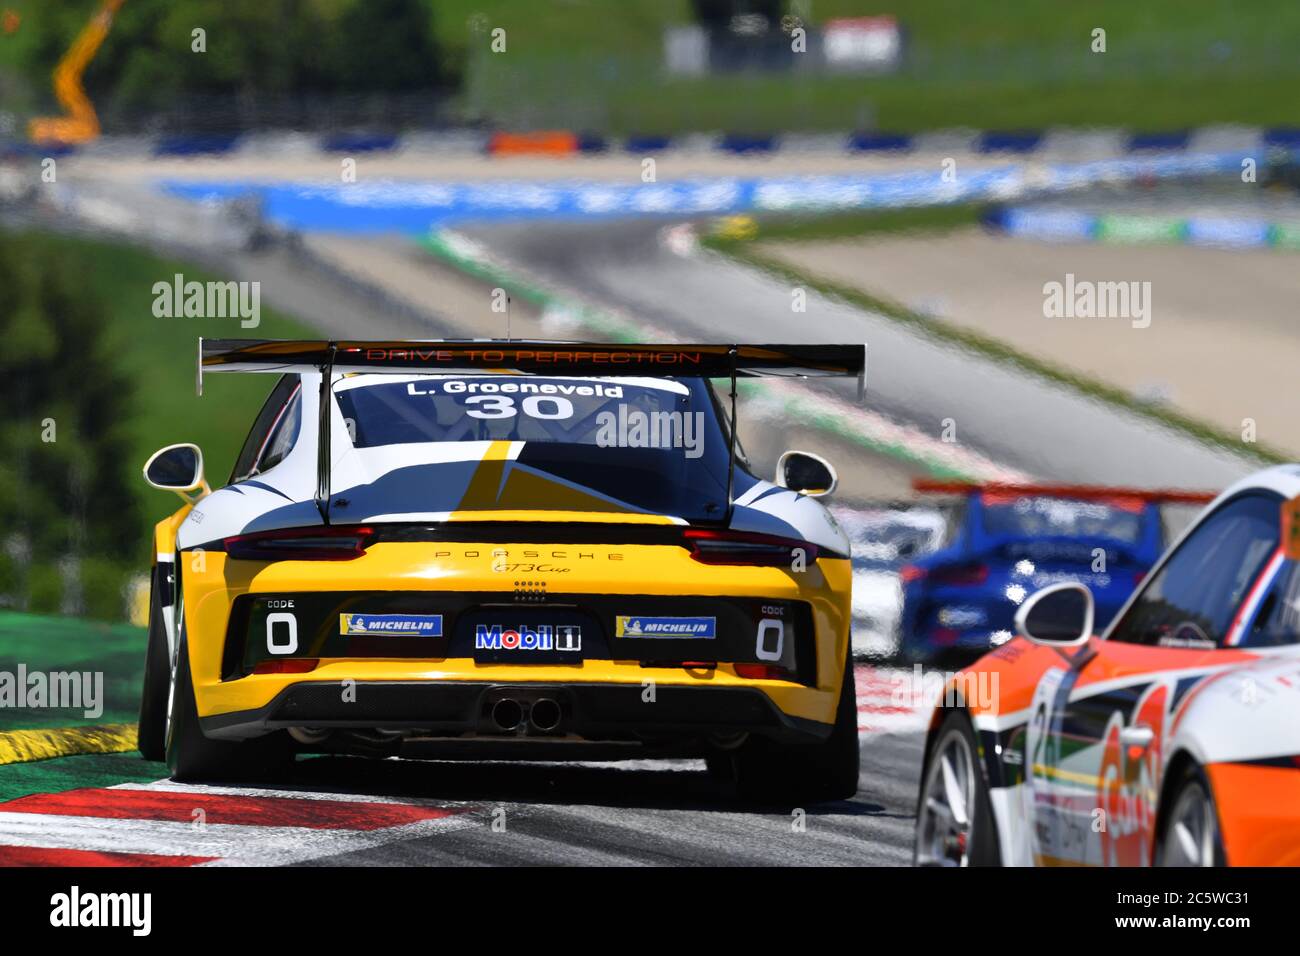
(498,408)
(1037,516)
(656,444)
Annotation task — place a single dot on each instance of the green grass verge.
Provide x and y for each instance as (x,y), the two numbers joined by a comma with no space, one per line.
(855,224)
(72,773)
(48,643)
(962,337)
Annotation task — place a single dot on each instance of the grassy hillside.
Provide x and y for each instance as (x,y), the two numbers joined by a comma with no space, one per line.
(159,356)
(633,27)
(596,64)
(1169,63)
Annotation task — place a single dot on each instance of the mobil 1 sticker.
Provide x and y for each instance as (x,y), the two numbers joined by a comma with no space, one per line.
(527,636)
(543,637)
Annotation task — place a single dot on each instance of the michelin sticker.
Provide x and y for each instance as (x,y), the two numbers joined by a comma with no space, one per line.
(417,625)
(666,627)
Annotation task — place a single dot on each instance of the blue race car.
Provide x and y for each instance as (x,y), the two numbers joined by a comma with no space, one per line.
(1011,540)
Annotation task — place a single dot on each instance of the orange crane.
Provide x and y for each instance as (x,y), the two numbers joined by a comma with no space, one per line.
(79,124)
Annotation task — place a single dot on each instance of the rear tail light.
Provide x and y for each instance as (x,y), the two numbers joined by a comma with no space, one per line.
(910,572)
(287,665)
(745,548)
(961,574)
(763,672)
(945,635)
(332,543)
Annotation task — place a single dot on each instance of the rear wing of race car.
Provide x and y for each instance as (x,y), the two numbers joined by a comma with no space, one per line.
(532,357)
(526,357)
(1172,496)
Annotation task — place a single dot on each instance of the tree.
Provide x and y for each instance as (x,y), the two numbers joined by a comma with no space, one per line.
(63,496)
(250,48)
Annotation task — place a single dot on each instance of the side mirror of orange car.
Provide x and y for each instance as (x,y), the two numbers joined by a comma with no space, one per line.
(1057,616)
(1291,529)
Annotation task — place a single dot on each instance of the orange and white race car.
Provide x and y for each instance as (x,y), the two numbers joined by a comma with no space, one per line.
(1171,739)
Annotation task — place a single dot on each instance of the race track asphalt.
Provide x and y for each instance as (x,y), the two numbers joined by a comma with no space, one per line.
(639,813)
(1008,415)
(117,809)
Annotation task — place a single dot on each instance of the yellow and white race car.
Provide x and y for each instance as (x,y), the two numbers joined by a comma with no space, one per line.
(517,548)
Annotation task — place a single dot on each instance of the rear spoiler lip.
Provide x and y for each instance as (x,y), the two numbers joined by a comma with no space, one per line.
(579,359)
(1082,492)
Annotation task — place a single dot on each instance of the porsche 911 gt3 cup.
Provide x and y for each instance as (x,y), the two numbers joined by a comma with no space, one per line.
(1174,738)
(505,544)
(1010,539)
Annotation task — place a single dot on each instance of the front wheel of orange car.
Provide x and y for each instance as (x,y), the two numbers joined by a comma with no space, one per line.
(954,817)
(768,772)
(1190,834)
(194,758)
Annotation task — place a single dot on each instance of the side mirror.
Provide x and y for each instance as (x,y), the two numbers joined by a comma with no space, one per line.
(177,468)
(805,472)
(1057,616)
(1291,528)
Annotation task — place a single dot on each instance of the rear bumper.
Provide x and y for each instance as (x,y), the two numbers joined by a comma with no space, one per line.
(592,711)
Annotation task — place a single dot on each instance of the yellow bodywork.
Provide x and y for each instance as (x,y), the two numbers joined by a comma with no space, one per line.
(164,532)
(212,582)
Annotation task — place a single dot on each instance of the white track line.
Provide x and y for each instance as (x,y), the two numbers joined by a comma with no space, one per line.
(888,694)
(199,789)
(232,844)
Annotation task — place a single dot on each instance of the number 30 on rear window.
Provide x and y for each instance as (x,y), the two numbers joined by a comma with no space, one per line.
(503,406)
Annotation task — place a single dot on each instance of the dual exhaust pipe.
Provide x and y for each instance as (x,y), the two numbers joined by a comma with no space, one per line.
(544,715)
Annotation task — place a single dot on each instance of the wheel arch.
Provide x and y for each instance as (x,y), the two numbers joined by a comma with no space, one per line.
(164,572)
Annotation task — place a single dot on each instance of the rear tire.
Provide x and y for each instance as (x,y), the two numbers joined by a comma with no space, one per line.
(768,772)
(151,732)
(195,758)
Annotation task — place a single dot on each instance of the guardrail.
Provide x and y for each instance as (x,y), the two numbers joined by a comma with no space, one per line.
(1063,143)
